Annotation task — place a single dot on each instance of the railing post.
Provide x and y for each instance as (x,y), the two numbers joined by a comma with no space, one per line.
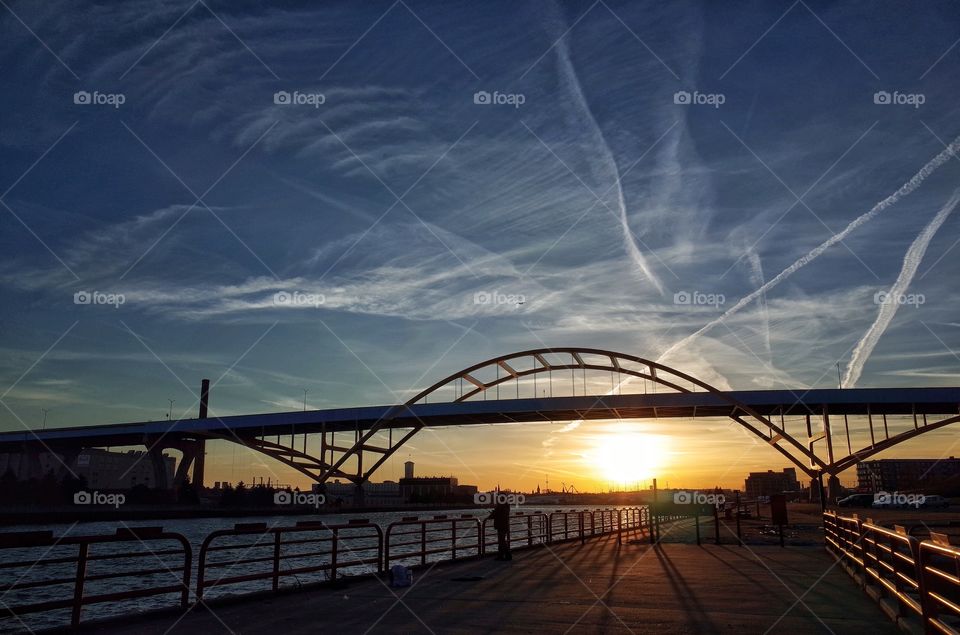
(423,542)
(78,584)
(187,561)
(736,512)
(583,536)
(453,537)
(276,560)
(696,521)
(716,525)
(334,552)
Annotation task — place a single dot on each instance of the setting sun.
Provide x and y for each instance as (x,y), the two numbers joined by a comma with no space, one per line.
(630,457)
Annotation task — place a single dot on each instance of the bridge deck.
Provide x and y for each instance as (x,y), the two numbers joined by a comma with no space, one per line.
(933,401)
(675,588)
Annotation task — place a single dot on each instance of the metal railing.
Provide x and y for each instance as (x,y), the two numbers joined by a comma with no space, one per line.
(414,539)
(526,530)
(922,579)
(78,571)
(566,525)
(48,576)
(604,521)
(314,551)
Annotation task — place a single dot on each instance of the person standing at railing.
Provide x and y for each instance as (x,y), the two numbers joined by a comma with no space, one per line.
(501,522)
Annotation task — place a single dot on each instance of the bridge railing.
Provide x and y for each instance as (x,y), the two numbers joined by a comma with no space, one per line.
(920,579)
(244,557)
(417,541)
(71,573)
(940,580)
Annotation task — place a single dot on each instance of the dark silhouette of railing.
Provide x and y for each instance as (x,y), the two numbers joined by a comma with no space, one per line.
(413,538)
(255,557)
(253,552)
(67,576)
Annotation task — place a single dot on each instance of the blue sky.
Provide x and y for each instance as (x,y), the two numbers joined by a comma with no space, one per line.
(398,199)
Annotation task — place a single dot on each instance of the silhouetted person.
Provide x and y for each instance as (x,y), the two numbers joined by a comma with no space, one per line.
(501,522)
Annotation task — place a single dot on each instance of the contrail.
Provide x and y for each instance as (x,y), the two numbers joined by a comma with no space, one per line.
(570,75)
(945,155)
(889,308)
(756,277)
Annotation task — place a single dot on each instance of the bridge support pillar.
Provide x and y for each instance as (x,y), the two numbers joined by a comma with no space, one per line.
(201,444)
(160,480)
(198,461)
(816,491)
(834,488)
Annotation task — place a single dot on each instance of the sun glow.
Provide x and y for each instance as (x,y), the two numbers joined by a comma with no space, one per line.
(629,458)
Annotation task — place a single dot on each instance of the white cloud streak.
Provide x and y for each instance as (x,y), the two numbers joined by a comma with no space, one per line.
(888,309)
(569,75)
(915,181)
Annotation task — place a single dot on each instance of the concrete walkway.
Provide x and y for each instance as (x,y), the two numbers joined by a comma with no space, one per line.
(598,587)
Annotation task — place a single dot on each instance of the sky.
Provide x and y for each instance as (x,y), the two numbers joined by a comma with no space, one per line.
(751,194)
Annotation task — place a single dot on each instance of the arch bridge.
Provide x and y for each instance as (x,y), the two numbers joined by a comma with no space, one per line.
(811,428)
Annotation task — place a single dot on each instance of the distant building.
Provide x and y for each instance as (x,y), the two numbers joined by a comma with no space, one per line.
(769,483)
(906,474)
(435,489)
(385,493)
(102,469)
(120,470)
(408,469)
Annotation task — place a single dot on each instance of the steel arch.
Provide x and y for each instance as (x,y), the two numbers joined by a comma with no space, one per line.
(658,373)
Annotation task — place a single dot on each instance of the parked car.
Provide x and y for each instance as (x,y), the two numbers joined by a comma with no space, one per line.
(935,501)
(856,500)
